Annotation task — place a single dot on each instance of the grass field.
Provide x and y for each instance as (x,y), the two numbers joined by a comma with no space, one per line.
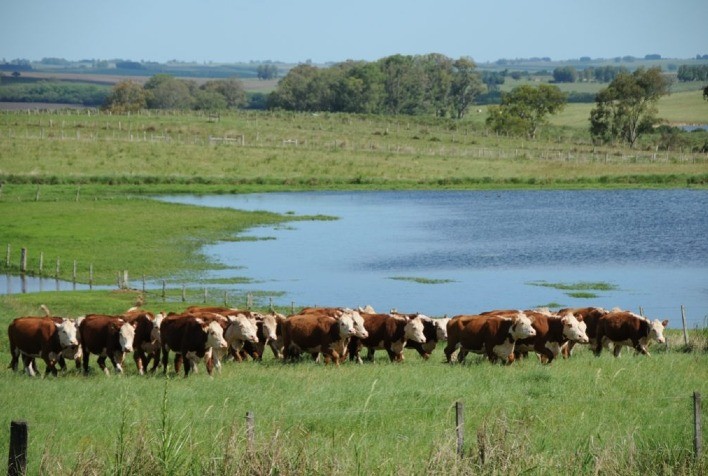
(585,415)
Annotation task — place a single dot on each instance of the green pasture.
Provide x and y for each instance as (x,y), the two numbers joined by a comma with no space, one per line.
(585,415)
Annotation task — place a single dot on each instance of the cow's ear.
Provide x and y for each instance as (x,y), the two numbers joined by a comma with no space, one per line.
(665,322)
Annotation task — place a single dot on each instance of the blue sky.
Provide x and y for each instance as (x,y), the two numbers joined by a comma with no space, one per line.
(328,30)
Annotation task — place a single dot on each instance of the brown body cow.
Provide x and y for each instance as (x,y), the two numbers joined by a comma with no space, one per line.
(589,317)
(389,332)
(434,331)
(552,332)
(191,339)
(626,328)
(146,343)
(108,337)
(315,333)
(491,335)
(44,337)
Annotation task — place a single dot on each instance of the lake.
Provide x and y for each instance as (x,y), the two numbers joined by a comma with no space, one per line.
(454,252)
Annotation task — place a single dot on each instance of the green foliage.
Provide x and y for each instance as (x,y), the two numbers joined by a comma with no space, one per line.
(523,110)
(54,92)
(126,97)
(627,107)
(414,85)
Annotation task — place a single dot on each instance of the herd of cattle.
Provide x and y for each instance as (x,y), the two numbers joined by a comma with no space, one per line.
(214,334)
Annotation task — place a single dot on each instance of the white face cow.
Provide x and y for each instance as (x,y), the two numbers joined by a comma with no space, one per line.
(359,329)
(156,323)
(656,331)
(574,330)
(346,325)
(68,337)
(441,328)
(270,326)
(522,327)
(413,330)
(126,335)
(215,335)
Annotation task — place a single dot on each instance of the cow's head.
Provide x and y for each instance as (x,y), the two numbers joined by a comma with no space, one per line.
(215,335)
(359,329)
(413,330)
(68,337)
(248,328)
(522,327)
(441,328)
(156,323)
(126,335)
(573,329)
(345,322)
(270,327)
(656,330)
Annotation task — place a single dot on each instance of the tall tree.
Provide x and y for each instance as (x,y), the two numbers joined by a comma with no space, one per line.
(231,90)
(466,86)
(525,108)
(627,107)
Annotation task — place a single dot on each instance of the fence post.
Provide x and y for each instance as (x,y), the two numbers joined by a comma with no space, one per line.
(56,275)
(23,260)
(41,262)
(73,273)
(17,461)
(250,429)
(460,428)
(184,293)
(683,320)
(164,286)
(206,295)
(697,431)
(7,258)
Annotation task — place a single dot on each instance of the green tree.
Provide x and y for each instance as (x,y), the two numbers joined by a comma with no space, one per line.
(627,107)
(126,96)
(525,108)
(465,87)
(231,90)
(167,92)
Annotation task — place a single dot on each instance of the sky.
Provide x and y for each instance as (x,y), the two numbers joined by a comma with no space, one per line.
(321,31)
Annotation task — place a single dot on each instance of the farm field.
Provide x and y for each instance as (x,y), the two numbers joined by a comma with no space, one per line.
(583,415)
(76,185)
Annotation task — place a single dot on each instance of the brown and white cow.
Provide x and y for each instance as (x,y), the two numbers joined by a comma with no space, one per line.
(240,329)
(45,337)
(319,331)
(191,339)
(146,342)
(588,317)
(552,332)
(492,335)
(108,337)
(434,331)
(270,333)
(626,328)
(390,332)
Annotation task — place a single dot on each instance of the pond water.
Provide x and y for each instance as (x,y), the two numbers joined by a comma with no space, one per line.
(470,251)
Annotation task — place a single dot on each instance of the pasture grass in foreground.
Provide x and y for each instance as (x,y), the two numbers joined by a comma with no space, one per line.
(585,415)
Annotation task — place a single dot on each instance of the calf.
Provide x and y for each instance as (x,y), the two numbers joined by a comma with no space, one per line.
(106,336)
(552,331)
(240,329)
(191,339)
(626,328)
(491,335)
(316,332)
(45,337)
(389,332)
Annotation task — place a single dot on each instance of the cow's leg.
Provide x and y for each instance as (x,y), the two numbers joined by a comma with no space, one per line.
(178,363)
(85,356)
(102,364)
(165,359)
(461,355)
(50,367)
(187,366)
(28,363)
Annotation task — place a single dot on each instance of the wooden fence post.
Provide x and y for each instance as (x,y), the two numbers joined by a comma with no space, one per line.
(56,275)
(184,293)
(17,461)
(697,430)
(164,289)
(460,428)
(23,260)
(91,276)
(7,258)
(41,262)
(683,320)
